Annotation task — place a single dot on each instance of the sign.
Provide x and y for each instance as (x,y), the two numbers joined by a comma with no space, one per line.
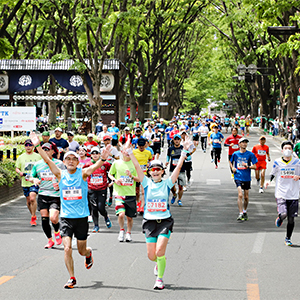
(163,103)
(17,118)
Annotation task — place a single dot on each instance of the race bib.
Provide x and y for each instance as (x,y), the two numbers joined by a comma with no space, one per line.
(47,176)
(287,173)
(156,205)
(72,193)
(261,152)
(28,166)
(216,141)
(96,180)
(126,180)
(235,147)
(175,162)
(240,166)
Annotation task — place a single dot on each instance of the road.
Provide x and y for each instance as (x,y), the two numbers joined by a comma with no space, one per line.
(210,255)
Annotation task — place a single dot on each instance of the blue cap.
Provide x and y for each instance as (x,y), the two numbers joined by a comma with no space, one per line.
(177,136)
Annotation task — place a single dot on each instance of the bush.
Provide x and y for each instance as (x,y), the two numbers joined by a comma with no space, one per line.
(8,173)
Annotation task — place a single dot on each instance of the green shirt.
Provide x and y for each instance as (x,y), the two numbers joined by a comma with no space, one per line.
(118,169)
(25,163)
(297,149)
(42,171)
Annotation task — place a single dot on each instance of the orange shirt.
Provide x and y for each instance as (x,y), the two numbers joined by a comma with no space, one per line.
(260,152)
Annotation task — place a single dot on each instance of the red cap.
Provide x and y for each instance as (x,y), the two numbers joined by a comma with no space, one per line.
(106,137)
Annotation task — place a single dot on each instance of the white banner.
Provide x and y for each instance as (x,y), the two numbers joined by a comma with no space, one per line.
(17,118)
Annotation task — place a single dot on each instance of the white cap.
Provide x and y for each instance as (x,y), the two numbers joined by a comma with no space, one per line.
(71,153)
(182,127)
(58,129)
(127,128)
(96,148)
(112,122)
(90,135)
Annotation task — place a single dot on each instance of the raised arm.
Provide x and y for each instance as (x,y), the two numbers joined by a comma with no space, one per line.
(54,169)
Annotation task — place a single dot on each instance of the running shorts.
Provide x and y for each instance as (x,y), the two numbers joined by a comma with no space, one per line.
(78,226)
(47,202)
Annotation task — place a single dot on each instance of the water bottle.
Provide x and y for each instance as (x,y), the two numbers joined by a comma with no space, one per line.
(55,184)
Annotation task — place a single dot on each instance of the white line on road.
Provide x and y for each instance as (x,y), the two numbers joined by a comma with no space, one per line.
(259,242)
(213,181)
(261,211)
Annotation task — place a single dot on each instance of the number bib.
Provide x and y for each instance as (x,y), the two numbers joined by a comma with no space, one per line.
(156,205)
(96,179)
(47,176)
(287,173)
(175,162)
(72,193)
(126,180)
(216,141)
(235,147)
(240,166)
(261,152)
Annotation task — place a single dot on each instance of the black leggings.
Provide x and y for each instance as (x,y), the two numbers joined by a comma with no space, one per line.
(203,142)
(216,154)
(97,201)
(188,169)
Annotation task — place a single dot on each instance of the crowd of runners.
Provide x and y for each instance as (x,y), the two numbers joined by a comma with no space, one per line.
(70,184)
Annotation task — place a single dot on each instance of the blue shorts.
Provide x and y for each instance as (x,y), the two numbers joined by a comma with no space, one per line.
(245,185)
(28,189)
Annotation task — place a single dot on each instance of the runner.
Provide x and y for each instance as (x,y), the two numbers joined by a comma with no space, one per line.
(24,165)
(115,133)
(203,130)
(167,131)
(162,127)
(123,138)
(61,144)
(90,143)
(97,189)
(83,159)
(73,145)
(216,139)
(173,156)
(286,170)
(195,132)
(74,204)
(137,135)
(157,142)
(226,123)
(124,176)
(240,164)
(158,221)
(232,142)
(48,197)
(103,133)
(242,124)
(261,151)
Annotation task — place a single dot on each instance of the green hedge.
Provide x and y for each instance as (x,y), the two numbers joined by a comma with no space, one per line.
(8,174)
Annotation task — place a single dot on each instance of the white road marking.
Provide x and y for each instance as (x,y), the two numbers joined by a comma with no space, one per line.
(261,211)
(275,150)
(259,242)
(213,181)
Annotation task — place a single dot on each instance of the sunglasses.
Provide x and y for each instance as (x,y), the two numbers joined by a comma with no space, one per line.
(155,169)
(28,145)
(46,149)
(94,152)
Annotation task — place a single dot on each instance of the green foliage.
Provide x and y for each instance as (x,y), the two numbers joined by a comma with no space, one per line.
(7,172)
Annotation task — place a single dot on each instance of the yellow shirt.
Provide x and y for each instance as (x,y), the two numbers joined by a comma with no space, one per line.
(142,157)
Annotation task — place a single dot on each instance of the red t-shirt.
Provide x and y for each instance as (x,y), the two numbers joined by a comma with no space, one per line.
(260,152)
(98,180)
(235,140)
(173,132)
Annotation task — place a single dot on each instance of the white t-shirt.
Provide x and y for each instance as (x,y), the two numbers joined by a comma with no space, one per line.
(203,131)
(285,186)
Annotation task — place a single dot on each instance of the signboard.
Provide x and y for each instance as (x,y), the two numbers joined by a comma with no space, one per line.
(163,103)
(17,118)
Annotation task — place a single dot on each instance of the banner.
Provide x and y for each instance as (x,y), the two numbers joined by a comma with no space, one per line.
(17,118)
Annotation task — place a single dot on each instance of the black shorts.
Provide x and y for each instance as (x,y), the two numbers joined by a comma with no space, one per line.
(126,204)
(153,228)
(227,125)
(156,148)
(79,227)
(196,138)
(47,202)
(114,142)
(245,185)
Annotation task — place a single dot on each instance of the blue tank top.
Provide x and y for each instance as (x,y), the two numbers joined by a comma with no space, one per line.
(73,195)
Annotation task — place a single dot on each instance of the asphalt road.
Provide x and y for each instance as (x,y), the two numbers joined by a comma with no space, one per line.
(210,255)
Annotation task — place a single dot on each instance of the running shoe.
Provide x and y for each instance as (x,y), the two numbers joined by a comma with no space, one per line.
(90,219)
(212,161)
(89,260)
(128,238)
(96,229)
(58,239)
(216,167)
(108,222)
(33,221)
(204,151)
(288,242)
(155,270)
(278,222)
(218,160)
(184,188)
(245,217)
(159,285)
(121,236)
(173,199)
(240,217)
(261,190)
(179,203)
(50,244)
(109,202)
(70,283)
